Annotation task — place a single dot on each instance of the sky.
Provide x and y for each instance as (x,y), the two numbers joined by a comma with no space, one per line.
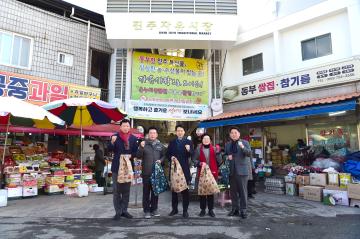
(98,6)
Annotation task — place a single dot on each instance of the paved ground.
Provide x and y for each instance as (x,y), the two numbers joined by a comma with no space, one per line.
(270,216)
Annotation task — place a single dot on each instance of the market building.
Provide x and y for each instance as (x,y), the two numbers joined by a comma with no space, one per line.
(294,74)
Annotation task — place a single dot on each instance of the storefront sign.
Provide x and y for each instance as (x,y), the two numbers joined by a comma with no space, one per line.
(191,30)
(40,91)
(165,87)
(336,73)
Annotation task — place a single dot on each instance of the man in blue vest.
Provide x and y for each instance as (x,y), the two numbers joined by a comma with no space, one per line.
(121,143)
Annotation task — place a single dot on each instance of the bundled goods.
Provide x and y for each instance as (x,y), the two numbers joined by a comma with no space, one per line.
(275,185)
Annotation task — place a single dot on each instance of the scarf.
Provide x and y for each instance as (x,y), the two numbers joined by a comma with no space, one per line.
(234,145)
(125,138)
(212,160)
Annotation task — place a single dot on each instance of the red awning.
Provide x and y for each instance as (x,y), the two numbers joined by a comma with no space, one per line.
(96,130)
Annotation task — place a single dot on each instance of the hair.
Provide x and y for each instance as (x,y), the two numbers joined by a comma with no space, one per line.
(234,127)
(206,134)
(95,146)
(153,128)
(124,121)
(179,126)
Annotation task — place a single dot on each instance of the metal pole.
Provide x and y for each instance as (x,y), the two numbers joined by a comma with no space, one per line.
(81,145)
(3,156)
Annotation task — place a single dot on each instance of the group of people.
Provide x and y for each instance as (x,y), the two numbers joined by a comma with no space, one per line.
(151,151)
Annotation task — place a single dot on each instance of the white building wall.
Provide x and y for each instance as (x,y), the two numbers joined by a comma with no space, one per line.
(290,42)
(233,70)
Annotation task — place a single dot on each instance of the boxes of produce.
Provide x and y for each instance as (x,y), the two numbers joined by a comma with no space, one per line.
(345,179)
(318,179)
(354,191)
(313,193)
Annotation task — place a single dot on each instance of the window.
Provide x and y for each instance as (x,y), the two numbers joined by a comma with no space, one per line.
(15,50)
(65,59)
(253,64)
(316,47)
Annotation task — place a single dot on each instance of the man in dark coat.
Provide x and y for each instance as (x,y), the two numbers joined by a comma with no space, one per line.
(238,152)
(181,149)
(121,143)
(150,152)
(99,164)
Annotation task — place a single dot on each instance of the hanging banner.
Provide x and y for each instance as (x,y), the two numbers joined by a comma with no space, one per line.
(166,87)
(332,74)
(40,91)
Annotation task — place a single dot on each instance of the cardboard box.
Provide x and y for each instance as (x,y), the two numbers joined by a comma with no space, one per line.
(341,196)
(301,191)
(318,179)
(30,191)
(313,193)
(354,191)
(290,179)
(345,179)
(333,179)
(303,180)
(291,189)
(355,203)
(14,192)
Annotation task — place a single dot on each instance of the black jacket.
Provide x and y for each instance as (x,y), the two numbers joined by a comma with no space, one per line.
(150,154)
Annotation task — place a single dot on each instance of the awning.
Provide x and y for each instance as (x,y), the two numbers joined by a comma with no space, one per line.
(306,108)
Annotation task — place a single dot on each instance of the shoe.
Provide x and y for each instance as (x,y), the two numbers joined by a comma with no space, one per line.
(185,215)
(202,213)
(173,212)
(244,215)
(155,213)
(126,215)
(117,217)
(233,213)
(211,213)
(147,215)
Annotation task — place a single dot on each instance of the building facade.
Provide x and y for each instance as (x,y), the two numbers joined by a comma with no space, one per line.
(49,43)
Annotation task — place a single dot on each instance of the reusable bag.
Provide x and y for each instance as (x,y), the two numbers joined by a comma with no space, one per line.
(125,174)
(207,182)
(159,182)
(177,177)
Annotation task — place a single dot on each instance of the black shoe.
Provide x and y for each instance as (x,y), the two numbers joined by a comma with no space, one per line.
(173,212)
(211,213)
(117,217)
(244,215)
(185,215)
(202,213)
(234,213)
(126,215)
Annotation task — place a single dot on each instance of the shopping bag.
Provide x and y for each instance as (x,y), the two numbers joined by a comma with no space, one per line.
(177,177)
(159,182)
(207,182)
(125,174)
(224,170)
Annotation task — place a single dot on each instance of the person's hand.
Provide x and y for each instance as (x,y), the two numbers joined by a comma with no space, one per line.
(230,157)
(202,164)
(173,158)
(158,161)
(113,139)
(142,144)
(187,147)
(241,145)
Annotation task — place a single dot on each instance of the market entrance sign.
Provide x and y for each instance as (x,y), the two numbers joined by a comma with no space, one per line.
(336,73)
(165,87)
(40,91)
